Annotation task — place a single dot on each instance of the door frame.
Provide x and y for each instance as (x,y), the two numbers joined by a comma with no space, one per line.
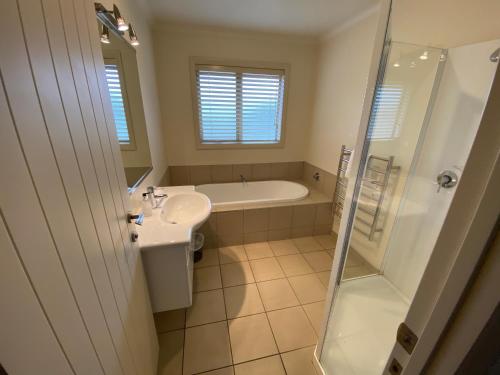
(468,225)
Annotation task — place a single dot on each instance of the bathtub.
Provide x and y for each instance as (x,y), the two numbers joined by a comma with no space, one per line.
(253,192)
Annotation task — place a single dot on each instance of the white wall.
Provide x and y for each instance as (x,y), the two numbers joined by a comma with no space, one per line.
(343,64)
(137,13)
(174,45)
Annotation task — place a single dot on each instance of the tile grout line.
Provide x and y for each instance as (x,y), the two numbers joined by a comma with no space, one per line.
(253,360)
(269,323)
(219,265)
(225,313)
(184,342)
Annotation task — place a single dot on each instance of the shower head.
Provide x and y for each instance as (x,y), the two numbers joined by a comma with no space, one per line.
(495,56)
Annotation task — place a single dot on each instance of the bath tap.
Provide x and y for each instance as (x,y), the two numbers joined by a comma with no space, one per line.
(243,179)
(156,199)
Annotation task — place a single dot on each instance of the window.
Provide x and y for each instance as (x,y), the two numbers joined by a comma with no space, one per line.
(239,106)
(119,104)
(389,111)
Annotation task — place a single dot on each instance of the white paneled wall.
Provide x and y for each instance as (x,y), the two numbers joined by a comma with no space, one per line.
(72,283)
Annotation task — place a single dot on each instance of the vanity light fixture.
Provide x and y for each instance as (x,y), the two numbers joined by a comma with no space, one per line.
(424,56)
(120,21)
(113,20)
(105,35)
(132,35)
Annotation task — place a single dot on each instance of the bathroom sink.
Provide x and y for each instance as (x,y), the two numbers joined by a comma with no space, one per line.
(182,212)
(188,209)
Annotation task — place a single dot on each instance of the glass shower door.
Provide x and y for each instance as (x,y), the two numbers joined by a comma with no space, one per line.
(425,114)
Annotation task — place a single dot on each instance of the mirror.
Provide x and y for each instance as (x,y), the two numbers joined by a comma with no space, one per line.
(124,89)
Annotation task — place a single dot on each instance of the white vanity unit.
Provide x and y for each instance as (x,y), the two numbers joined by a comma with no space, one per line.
(166,245)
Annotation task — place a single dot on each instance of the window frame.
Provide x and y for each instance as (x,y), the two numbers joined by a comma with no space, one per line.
(404,99)
(241,66)
(114,57)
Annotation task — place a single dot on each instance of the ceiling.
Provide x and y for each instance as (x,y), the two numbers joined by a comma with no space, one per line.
(445,23)
(305,17)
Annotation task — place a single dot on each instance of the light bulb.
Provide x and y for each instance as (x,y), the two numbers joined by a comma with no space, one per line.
(105,35)
(396,65)
(122,26)
(424,56)
(132,35)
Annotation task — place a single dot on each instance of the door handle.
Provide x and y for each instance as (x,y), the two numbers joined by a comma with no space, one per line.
(134,237)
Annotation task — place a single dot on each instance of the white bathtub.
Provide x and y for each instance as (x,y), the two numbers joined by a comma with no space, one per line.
(252,192)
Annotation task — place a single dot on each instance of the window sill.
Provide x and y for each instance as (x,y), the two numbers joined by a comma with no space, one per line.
(236,146)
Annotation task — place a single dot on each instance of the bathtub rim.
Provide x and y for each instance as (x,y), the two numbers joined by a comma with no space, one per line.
(259,203)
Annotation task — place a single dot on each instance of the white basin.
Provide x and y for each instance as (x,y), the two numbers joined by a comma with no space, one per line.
(191,209)
(181,213)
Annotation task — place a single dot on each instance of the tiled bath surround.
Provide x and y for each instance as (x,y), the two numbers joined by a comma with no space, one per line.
(206,174)
(226,228)
(311,216)
(293,171)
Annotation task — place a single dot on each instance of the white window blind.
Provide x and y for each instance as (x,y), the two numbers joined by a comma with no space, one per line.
(239,106)
(389,111)
(117,102)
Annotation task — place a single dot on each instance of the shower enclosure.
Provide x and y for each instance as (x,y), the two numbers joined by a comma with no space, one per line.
(426,110)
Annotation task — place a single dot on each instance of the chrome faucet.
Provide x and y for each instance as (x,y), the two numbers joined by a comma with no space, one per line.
(155,199)
(243,179)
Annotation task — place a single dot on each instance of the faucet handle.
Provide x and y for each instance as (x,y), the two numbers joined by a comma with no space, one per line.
(151,189)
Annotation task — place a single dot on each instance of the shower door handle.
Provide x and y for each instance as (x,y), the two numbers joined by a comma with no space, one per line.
(446,179)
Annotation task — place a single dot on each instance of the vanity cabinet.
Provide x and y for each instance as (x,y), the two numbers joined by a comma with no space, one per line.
(169,273)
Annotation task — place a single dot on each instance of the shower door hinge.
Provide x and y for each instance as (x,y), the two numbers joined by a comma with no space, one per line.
(406,338)
(395,367)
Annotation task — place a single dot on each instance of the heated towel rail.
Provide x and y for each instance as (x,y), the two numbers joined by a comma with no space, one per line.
(373,196)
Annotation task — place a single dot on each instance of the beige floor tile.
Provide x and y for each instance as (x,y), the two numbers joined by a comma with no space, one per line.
(236,274)
(206,278)
(354,259)
(251,338)
(258,250)
(221,371)
(208,307)
(308,288)
(319,260)
(291,328)
(299,362)
(358,271)
(327,241)
(307,244)
(170,354)
(232,254)
(277,294)
(210,258)
(314,312)
(283,247)
(265,366)
(324,277)
(242,300)
(207,348)
(266,269)
(294,265)
(170,320)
